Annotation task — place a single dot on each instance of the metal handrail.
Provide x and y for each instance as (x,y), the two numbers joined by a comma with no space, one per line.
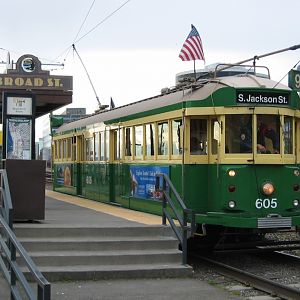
(9,246)
(6,207)
(182,216)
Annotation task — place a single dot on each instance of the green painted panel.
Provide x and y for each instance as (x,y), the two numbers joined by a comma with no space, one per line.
(207,190)
(146,205)
(196,187)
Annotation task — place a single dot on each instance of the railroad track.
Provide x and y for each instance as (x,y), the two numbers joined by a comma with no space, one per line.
(258,282)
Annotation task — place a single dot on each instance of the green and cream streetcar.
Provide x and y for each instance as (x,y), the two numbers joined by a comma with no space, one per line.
(229,144)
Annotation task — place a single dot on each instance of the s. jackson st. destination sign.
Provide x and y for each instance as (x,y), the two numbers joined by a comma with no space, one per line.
(247,97)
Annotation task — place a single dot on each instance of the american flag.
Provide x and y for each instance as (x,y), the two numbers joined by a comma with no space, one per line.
(192,48)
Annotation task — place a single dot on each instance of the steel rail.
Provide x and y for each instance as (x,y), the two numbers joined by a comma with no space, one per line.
(281,256)
(258,282)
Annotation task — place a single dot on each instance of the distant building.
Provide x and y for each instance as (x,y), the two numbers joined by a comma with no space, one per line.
(38,149)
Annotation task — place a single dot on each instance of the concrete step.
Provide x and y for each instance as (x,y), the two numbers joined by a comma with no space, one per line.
(90,253)
(73,258)
(106,243)
(54,273)
(47,230)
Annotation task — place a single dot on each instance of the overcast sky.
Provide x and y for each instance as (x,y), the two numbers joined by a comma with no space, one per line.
(134,53)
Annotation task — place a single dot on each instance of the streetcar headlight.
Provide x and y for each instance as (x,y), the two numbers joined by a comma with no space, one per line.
(296,202)
(268,188)
(231,173)
(231,204)
(296,172)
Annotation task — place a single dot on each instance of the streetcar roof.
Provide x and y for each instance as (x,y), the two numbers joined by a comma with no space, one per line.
(200,90)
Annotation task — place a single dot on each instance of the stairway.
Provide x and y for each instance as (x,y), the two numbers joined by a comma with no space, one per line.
(92,253)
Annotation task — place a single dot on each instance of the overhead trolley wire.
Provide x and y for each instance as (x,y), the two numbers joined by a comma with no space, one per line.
(84,20)
(88,13)
(91,30)
(101,22)
(286,74)
(83,36)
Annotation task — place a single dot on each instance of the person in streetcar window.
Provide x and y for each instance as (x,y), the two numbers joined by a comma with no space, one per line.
(265,133)
(268,134)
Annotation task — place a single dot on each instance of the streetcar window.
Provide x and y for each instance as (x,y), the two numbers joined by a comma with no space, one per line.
(60,153)
(89,149)
(69,148)
(117,144)
(128,141)
(56,149)
(64,149)
(150,138)
(163,138)
(288,135)
(97,146)
(215,135)
(238,134)
(74,147)
(107,153)
(176,143)
(120,144)
(139,136)
(268,134)
(102,148)
(198,137)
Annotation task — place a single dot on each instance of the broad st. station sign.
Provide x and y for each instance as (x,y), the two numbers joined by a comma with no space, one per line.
(29,75)
(33,82)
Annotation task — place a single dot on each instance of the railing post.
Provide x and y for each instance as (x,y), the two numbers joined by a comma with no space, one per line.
(164,200)
(167,202)
(12,272)
(44,293)
(184,238)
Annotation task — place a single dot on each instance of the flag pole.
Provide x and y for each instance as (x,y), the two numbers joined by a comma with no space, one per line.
(192,48)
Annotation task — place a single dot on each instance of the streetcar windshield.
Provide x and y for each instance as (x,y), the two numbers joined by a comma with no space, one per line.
(268,132)
(238,137)
(239,134)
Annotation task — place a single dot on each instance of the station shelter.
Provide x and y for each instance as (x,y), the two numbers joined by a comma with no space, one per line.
(28,92)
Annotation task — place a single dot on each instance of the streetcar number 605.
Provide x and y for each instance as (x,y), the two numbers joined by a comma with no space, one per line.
(266,203)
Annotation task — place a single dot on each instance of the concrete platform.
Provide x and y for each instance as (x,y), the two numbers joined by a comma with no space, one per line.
(64,210)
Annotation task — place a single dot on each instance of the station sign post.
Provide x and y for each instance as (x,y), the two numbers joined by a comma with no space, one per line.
(18,117)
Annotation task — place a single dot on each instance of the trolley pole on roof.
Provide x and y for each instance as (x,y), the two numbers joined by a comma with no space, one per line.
(101,107)
(257,57)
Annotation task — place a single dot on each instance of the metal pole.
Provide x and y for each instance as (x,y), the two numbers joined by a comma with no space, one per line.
(184,239)
(257,57)
(164,206)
